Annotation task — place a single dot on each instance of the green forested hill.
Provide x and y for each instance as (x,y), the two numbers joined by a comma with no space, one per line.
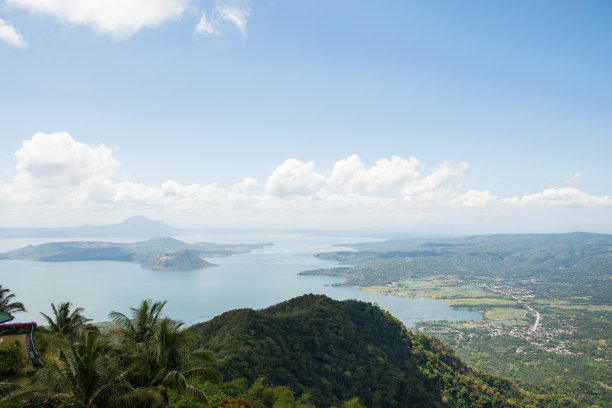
(545,300)
(337,350)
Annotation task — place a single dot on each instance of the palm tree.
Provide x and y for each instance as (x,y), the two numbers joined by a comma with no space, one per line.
(161,351)
(14,395)
(7,388)
(66,323)
(6,304)
(90,371)
(144,322)
(175,363)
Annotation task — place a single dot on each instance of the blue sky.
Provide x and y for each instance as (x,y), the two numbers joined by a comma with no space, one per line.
(250,113)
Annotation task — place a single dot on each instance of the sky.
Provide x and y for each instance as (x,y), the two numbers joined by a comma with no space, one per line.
(421,116)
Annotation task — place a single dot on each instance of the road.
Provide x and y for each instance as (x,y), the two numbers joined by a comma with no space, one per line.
(537,321)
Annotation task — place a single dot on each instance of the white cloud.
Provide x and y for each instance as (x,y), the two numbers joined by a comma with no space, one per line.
(568,196)
(221,14)
(207,26)
(474,199)
(443,173)
(56,174)
(246,184)
(294,177)
(119,18)
(57,160)
(235,15)
(350,174)
(9,35)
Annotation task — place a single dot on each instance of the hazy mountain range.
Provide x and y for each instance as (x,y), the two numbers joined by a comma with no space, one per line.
(137,226)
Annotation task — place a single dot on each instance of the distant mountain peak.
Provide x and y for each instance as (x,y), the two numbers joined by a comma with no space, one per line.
(140,219)
(164,240)
(135,226)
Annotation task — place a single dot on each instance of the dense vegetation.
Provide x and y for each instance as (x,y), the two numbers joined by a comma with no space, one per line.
(552,258)
(336,350)
(137,364)
(545,299)
(307,352)
(12,359)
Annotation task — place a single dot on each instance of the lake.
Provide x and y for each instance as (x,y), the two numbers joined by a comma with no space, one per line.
(255,280)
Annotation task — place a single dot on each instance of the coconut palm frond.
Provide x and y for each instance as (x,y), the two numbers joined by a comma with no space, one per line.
(6,388)
(175,380)
(65,322)
(199,395)
(16,394)
(203,356)
(153,397)
(6,302)
(208,373)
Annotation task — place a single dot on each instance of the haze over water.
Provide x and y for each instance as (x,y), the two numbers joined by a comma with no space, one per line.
(255,280)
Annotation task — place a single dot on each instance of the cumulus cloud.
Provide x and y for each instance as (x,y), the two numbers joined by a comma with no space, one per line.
(10,35)
(55,172)
(474,199)
(246,184)
(568,196)
(443,173)
(118,18)
(56,160)
(294,177)
(350,174)
(212,24)
(351,184)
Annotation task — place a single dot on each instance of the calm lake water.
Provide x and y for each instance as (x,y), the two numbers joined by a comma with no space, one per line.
(255,280)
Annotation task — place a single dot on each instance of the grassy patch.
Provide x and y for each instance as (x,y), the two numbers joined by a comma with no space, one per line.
(508,315)
(438,287)
(590,308)
(482,302)
(550,302)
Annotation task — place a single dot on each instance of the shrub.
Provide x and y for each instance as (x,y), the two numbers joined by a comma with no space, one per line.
(12,359)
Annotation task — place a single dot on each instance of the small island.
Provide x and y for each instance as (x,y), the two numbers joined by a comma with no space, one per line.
(183,260)
(157,253)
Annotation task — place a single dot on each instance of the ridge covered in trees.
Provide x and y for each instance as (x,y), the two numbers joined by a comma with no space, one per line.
(310,351)
(335,350)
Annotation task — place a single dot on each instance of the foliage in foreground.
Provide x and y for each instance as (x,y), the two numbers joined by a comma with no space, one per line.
(84,368)
(308,352)
(7,305)
(12,359)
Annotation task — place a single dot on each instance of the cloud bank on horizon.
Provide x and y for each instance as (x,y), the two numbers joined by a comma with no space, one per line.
(56,174)
(121,19)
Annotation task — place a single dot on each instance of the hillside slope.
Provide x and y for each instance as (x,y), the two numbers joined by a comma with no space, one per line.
(337,350)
